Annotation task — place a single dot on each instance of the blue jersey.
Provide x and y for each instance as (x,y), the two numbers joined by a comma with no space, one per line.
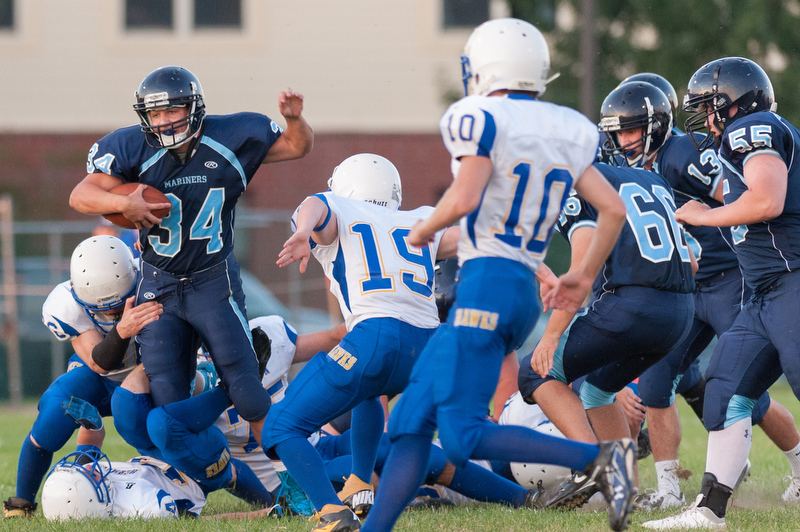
(651,250)
(697,175)
(198,233)
(765,249)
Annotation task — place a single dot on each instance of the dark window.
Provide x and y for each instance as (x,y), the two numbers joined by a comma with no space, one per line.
(217,14)
(465,13)
(6,14)
(143,14)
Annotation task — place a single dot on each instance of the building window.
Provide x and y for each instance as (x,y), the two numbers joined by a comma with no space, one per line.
(216,14)
(6,14)
(148,14)
(465,13)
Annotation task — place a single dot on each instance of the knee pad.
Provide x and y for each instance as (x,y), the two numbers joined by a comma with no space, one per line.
(594,397)
(249,397)
(52,428)
(739,408)
(130,412)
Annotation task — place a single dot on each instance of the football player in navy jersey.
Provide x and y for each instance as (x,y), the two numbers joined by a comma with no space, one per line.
(514,160)
(642,307)
(733,99)
(203,164)
(630,114)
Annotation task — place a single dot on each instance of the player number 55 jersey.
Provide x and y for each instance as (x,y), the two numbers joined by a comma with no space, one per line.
(538,150)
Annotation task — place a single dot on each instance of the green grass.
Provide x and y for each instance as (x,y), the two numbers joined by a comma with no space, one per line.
(756,507)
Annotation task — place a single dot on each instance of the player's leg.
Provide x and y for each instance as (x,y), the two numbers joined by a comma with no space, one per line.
(215,307)
(52,428)
(130,405)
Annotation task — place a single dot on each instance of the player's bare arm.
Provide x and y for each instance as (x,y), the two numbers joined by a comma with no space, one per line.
(574,286)
(448,245)
(308,345)
(132,321)
(92,196)
(297,139)
(461,198)
(766,177)
(547,281)
(312,214)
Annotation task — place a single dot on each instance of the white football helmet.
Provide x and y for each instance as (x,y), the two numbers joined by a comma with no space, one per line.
(505,53)
(529,475)
(102,273)
(77,487)
(368,177)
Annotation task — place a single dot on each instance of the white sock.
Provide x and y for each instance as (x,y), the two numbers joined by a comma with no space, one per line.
(794,460)
(727,451)
(667,474)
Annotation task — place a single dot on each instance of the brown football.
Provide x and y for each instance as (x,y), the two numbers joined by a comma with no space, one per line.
(150,194)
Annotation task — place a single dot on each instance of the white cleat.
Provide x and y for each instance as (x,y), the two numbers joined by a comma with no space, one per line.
(660,500)
(792,493)
(692,517)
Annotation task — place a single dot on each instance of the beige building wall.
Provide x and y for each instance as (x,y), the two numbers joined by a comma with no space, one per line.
(380,66)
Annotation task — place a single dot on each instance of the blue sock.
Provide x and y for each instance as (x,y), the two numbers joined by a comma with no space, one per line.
(34,462)
(201,411)
(520,444)
(248,487)
(407,466)
(366,430)
(338,470)
(306,466)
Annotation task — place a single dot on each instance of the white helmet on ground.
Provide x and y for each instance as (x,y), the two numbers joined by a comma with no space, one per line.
(102,273)
(368,177)
(529,475)
(505,53)
(77,487)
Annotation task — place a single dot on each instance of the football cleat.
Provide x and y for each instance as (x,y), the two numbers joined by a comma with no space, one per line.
(357,495)
(18,507)
(792,493)
(659,500)
(84,413)
(743,475)
(572,493)
(296,499)
(692,517)
(426,502)
(209,372)
(643,446)
(613,471)
(335,518)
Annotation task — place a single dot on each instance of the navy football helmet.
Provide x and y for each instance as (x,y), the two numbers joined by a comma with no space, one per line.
(635,104)
(660,82)
(445,274)
(718,86)
(165,87)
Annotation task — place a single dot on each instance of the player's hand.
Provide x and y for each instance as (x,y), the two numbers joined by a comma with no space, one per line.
(543,355)
(632,405)
(692,213)
(418,237)
(294,249)
(569,293)
(135,318)
(290,104)
(139,211)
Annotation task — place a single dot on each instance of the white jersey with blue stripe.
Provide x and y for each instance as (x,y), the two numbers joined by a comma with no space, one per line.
(374,271)
(538,150)
(147,488)
(67,320)
(283,341)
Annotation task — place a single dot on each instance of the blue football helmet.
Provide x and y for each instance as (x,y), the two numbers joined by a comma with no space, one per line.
(77,487)
(718,86)
(165,87)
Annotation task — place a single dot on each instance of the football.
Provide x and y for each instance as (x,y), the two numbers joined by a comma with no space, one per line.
(150,194)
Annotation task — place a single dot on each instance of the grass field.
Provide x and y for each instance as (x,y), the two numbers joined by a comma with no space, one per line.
(756,507)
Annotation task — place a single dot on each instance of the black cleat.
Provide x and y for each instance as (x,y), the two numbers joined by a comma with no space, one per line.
(572,493)
(18,507)
(643,447)
(333,518)
(613,471)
